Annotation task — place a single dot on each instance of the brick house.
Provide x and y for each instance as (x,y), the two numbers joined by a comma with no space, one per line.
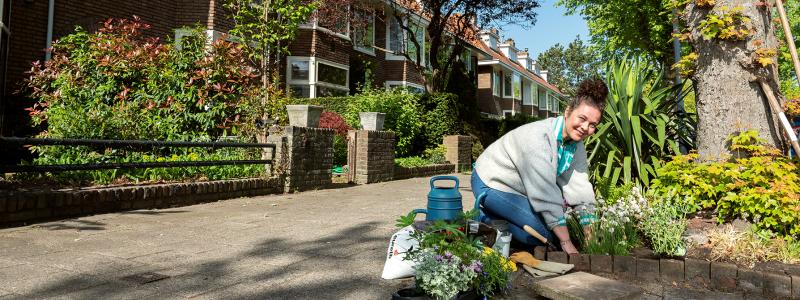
(323,61)
(510,82)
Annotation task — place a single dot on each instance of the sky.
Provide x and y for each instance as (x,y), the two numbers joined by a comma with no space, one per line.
(551,27)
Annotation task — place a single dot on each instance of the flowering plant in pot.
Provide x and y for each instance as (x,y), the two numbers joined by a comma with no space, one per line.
(454,262)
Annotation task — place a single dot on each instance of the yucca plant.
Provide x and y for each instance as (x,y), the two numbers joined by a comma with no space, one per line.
(640,124)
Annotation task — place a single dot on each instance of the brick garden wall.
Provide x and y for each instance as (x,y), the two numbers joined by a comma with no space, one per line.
(426,171)
(22,206)
(459,152)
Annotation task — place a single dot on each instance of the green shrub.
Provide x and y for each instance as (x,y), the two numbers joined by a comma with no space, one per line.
(436,155)
(117,84)
(639,126)
(402,114)
(663,224)
(332,104)
(441,118)
(759,185)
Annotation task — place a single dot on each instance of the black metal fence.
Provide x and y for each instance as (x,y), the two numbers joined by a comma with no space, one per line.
(134,145)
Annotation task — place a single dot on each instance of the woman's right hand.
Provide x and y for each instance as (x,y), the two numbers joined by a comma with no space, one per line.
(568,247)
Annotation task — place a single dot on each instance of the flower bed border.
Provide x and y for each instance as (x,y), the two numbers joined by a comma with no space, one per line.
(715,275)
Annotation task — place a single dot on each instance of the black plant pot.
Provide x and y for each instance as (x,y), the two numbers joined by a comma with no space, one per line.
(411,293)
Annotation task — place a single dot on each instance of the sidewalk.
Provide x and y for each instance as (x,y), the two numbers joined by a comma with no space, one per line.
(326,244)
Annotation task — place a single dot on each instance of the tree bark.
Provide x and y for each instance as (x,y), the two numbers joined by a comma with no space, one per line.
(729,99)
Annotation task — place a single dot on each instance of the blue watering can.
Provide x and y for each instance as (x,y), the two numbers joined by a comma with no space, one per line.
(444,203)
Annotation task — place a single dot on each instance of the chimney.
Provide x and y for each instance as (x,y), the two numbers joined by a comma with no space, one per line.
(524,59)
(543,74)
(535,67)
(509,49)
(490,37)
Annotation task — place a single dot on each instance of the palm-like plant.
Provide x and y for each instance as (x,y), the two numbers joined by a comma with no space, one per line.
(640,124)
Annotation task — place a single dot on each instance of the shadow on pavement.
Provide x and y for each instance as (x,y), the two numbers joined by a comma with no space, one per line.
(73,224)
(340,265)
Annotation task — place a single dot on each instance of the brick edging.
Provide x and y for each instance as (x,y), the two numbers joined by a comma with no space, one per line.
(21,207)
(406,173)
(716,275)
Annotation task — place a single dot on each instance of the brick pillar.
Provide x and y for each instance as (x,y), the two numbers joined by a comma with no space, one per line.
(370,155)
(459,151)
(304,157)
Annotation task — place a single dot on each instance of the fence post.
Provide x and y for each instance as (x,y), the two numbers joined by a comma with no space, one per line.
(305,157)
(370,156)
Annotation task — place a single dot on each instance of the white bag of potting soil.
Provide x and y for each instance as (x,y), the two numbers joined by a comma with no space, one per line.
(395,267)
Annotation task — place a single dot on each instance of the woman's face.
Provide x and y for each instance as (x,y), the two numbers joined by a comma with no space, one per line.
(581,122)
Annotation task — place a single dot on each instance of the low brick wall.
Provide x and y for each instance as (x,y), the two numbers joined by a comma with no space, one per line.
(405,173)
(700,273)
(18,207)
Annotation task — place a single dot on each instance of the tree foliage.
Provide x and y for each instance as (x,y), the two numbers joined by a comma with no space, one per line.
(643,26)
(567,67)
(789,82)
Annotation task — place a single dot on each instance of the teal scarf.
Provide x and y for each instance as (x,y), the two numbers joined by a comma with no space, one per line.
(566,151)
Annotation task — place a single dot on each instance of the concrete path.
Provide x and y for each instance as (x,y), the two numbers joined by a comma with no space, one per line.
(326,244)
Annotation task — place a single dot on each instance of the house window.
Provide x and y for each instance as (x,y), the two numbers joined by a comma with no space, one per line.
(507,88)
(517,86)
(331,74)
(508,113)
(364,34)
(542,101)
(496,83)
(411,47)
(299,69)
(526,94)
(406,86)
(395,38)
(309,77)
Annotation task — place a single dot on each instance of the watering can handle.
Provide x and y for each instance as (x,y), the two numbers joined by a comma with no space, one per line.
(437,178)
(478,202)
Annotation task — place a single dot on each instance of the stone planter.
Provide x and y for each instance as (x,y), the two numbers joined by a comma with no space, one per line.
(304,115)
(372,120)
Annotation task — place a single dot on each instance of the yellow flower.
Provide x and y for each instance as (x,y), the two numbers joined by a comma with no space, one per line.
(509,265)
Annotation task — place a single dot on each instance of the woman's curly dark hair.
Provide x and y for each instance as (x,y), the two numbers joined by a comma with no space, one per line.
(592,91)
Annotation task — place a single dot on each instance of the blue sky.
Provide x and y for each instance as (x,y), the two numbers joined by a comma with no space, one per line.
(552,27)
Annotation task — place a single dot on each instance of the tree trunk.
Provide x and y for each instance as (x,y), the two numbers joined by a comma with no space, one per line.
(729,100)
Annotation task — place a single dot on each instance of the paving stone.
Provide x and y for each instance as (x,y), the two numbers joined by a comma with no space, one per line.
(795,287)
(671,270)
(557,256)
(581,285)
(777,286)
(698,272)
(625,266)
(581,262)
(750,281)
(602,263)
(647,269)
(723,276)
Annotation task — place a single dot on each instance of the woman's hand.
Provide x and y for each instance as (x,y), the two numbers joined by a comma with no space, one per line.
(563,235)
(568,247)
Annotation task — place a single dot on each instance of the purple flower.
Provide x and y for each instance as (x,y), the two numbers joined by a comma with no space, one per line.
(437,257)
(476,267)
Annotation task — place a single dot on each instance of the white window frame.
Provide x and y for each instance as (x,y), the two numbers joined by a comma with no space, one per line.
(510,88)
(497,83)
(527,91)
(542,100)
(513,113)
(370,49)
(313,75)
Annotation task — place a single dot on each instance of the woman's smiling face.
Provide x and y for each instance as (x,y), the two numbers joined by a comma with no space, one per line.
(581,122)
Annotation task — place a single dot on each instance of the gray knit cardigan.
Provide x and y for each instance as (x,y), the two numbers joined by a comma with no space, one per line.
(524,162)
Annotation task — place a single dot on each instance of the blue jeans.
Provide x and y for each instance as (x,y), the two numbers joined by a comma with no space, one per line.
(516,209)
